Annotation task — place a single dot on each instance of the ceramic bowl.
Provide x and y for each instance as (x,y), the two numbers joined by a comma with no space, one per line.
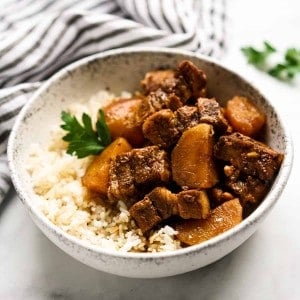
(119,70)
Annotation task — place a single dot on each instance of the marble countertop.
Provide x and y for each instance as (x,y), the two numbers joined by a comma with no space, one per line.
(267,266)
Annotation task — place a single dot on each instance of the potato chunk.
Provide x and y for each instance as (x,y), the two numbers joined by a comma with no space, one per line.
(97,174)
(123,120)
(192,163)
(244,116)
(222,218)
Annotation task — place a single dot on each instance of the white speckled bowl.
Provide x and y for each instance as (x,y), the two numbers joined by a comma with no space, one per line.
(122,70)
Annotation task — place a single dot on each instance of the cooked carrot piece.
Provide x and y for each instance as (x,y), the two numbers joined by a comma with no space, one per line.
(244,116)
(96,176)
(222,218)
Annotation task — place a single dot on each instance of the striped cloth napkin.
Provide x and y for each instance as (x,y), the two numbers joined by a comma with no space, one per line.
(38,37)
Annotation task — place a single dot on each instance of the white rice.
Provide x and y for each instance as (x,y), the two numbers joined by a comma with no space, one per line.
(56,179)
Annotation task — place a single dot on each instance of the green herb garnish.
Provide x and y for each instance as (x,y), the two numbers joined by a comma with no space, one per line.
(285,70)
(258,57)
(290,67)
(82,138)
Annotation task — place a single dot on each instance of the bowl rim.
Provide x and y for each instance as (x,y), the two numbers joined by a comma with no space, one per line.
(258,215)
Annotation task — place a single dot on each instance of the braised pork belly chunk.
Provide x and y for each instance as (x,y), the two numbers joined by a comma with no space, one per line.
(164,201)
(145,214)
(161,204)
(210,112)
(179,158)
(161,128)
(251,167)
(135,172)
(172,89)
(192,77)
(155,80)
(186,82)
(248,155)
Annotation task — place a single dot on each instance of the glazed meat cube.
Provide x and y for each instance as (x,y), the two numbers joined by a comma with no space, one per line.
(169,89)
(134,173)
(165,202)
(155,102)
(189,82)
(150,166)
(210,112)
(121,181)
(249,190)
(160,99)
(250,157)
(252,167)
(144,110)
(186,117)
(193,204)
(145,215)
(160,204)
(193,78)
(157,79)
(160,128)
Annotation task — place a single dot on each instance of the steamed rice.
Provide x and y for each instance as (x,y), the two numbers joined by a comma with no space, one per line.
(56,180)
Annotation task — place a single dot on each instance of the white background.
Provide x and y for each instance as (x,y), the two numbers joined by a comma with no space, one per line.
(267,266)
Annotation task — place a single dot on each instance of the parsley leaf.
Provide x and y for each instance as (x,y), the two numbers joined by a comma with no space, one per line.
(82,139)
(285,70)
(258,57)
(102,129)
(292,56)
(290,67)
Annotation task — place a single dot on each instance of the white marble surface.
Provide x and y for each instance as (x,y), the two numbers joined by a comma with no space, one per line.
(267,266)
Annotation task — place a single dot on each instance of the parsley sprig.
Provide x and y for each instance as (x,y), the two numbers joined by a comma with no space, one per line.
(258,57)
(82,139)
(288,69)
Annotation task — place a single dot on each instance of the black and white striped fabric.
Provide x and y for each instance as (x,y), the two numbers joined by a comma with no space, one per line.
(38,37)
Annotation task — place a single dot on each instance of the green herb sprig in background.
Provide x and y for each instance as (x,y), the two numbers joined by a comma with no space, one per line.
(288,69)
(258,57)
(82,139)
